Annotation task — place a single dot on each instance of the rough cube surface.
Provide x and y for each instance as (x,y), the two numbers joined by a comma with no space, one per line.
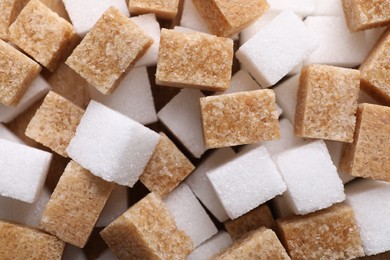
(75,205)
(147,231)
(167,167)
(110,49)
(55,123)
(329,234)
(19,242)
(239,118)
(18,72)
(42,34)
(211,247)
(166,9)
(327,102)
(10,9)
(194,60)
(369,154)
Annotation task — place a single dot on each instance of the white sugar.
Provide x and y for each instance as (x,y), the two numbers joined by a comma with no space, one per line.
(211,247)
(8,135)
(115,206)
(335,149)
(286,96)
(328,8)
(241,81)
(302,8)
(191,18)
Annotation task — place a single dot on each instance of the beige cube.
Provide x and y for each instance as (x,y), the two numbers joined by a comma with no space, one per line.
(21,243)
(147,231)
(254,219)
(10,9)
(226,18)
(239,118)
(167,167)
(42,34)
(369,155)
(331,233)
(262,244)
(75,205)
(17,71)
(109,50)
(375,70)
(55,122)
(327,102)
(366,14)
(194,60)
(164,9)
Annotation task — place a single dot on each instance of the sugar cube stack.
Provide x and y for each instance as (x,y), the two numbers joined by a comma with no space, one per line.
(211,247)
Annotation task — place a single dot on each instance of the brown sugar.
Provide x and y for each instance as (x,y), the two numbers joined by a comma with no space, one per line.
(109,50)
(369,155)
(10,9)
(75,205)
(147,231)
(331,233)
(194,60)
(327,102)
(365,14)
(42,34)
(20,243)
(226,18)
(17,73)
(166,9)
(55,123)
(262,244)
(167,167)
(239,118)
(259,217)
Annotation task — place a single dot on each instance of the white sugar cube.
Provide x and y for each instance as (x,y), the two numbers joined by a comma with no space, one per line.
(73,253)
(182,117)
(189,214)
(201,186)
(302,8)
(247,181)
(277,48)
(335,150)
(111,145)
(241,81)
(311,178)
(115,206)
(370,202)
(150,25)
(191,18)
(132,98)
(328,8)
(84,14)
(8,135)
(286,96)
(23,171)
(38,88)
(211,247)
(338,46)
(251,30)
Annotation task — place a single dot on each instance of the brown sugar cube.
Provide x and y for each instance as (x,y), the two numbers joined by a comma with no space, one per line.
(331,233)
(75,205)
(109,50)
(327,102)
(167,167)
(147,231)
(375,70)
(369,154)
(42,34)
(20,243)
(254,219)
(239,118)
(262,244)
(194,60)
(17,71)
(226,18)
(164,9)
(55,122)
(9,11)
(365,14)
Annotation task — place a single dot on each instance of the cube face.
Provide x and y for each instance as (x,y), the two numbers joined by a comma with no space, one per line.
(239,118)
(335,230)
(226,18)
(207,64)
(109,50)
(166,168)
(365,14)
(36,20)
(166,9)
(19,72)
(327,102)
(363,158)
(19,242)
(147,230)
(10,10)
(55,123)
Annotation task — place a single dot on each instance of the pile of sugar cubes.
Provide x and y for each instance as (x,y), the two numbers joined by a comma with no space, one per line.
(194,129)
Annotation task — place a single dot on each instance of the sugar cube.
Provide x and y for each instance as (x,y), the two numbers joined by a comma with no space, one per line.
(335,151)
(241,81)
(328,8)
(211,247)
(191,18)
(9,11)
(116,204)
(252,29)
(166,9)
(286,96)
(302,8)
(111,145)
